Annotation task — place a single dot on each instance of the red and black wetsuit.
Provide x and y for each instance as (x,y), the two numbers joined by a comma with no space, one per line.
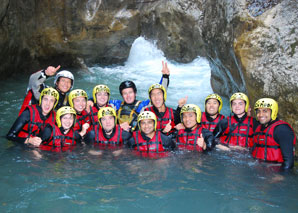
(275,142)
(30,123)
(187,138)
(54,139)
(208,122)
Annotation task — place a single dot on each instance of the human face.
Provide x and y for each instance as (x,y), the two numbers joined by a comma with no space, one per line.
(79,104)
(189,119)
(108,123)
(212,106)
(147,126)
(47,104)
(264,115)
(64,84)
(102,98)
(238,107)
(129,96)
(67,121)
(156,96)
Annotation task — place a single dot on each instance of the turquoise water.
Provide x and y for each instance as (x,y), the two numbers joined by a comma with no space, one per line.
(33,181)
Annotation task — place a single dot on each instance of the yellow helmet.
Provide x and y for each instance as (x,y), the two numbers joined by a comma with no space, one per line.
(105,111)
(191,108)
(268,103)
(158,86)
(241,96)
(100,88)
(65,110)
(217,97)
(147,115)
(75,94)
(49,91)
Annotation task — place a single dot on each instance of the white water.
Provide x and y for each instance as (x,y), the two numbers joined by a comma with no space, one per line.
(144,66)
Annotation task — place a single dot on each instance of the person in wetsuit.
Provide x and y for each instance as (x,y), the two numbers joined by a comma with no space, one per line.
(274,140)
(34,118)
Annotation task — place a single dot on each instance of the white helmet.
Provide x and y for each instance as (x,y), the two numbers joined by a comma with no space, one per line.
(65,74)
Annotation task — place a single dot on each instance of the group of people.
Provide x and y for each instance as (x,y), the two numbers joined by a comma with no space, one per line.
(57,119)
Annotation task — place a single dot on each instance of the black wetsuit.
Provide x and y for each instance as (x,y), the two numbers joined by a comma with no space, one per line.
(23,119)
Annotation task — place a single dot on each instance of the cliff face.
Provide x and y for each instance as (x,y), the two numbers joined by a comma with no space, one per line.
(251,44)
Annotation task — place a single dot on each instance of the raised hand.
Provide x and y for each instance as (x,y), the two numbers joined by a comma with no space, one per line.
(168,127)
(125,126)
(50,71)
(165,70)
(182,101)
(201,143)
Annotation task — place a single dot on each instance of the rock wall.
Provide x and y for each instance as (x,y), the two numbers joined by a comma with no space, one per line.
(251,44)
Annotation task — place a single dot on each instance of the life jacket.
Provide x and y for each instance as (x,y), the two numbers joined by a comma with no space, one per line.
(153,148)
(80,120)
(126,114)
(27,101)
(188,140)
(114,142)
(36,124)
(210,125)
(238,134)
(162,122)
(58,141)
(265,147)
(93,116)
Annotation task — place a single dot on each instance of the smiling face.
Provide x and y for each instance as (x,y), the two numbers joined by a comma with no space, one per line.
(129,96)
(157,98)
(238,107)
(147,127)
(67,121)
(79,104)
(47,104)
(63,84)
(264,115)
(102,98)
(212,106)
(108,123)
(189,119)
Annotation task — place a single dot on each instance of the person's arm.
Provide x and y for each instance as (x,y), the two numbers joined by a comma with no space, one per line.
(46,133)
(23,119)
(208,138)
(126,136)
(167,142)
(165,79)
(36,80)
(220,128)
(284,135)
(131,143)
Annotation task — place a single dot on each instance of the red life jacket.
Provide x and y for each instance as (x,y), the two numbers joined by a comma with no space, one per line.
(114,142)
(162,122)
(238,134)
(265,147)
(58,141)
(93,116)
(210,125)
(81,119)
(188,140)
(27,101)
(36,124)
(153,148)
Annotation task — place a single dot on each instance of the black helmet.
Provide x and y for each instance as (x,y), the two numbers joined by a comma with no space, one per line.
(127,84)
